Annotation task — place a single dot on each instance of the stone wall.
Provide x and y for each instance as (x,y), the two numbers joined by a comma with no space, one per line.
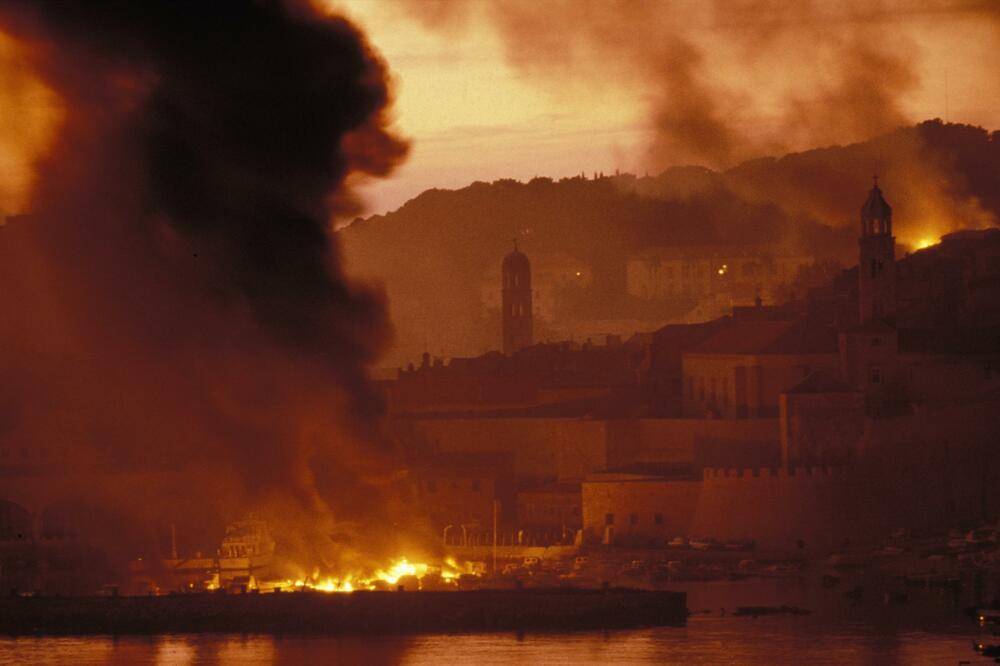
(548,449)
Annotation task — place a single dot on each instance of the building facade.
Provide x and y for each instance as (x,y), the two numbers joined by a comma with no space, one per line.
(516,316)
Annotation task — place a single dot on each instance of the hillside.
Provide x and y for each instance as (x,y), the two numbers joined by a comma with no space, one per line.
(436,254)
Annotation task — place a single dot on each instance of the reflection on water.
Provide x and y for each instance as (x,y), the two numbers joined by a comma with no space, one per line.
(930,629)
(707,640)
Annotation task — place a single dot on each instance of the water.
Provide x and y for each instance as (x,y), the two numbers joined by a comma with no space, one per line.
(930,629)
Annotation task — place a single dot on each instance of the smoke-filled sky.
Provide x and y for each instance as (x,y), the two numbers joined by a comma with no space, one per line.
(518,88)
(173,302)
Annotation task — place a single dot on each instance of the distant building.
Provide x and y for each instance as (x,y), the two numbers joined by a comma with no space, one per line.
(516,312)
(460,489)
(877,259)
(870,404)
(822,423)
(713,274)
(740,371)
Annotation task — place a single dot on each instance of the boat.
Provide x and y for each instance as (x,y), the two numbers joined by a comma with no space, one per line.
(243,561)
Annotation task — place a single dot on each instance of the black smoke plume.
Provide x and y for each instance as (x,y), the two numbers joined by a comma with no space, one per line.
(176,313)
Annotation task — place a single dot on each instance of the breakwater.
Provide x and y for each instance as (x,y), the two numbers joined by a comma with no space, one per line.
(309,612)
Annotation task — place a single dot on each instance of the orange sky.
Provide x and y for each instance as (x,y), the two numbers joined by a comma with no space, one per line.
(512,88)
(478,107)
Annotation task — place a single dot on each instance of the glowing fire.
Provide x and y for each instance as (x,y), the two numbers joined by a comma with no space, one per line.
(382,578)
(924,242)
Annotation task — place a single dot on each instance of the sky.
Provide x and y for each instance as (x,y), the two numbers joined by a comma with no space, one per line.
(487,90)
(472,116)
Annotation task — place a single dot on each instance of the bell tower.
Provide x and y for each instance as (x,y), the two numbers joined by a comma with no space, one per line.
(516,301)
(877,259)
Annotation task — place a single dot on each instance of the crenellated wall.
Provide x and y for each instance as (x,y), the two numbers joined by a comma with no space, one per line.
(824,508)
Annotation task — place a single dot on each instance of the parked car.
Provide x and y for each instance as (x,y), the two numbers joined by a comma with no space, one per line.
(677,542)
(530,562)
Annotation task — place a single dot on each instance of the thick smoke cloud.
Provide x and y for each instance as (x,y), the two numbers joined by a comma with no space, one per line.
(175,305)
(728,80)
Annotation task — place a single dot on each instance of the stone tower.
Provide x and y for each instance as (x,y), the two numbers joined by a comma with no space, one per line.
(516,301)
(877,260)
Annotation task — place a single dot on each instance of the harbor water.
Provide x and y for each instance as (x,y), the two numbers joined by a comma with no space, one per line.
(929,627)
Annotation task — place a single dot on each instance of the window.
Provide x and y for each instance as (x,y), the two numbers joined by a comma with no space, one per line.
(432,486)
(876,342)
(658,518)
(633,519)
(476,485)
(609,519)
(988,372)
(875,375)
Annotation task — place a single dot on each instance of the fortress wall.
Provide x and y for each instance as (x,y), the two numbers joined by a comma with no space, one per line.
(676,440)
(821,507)
(542,448)
(573,448)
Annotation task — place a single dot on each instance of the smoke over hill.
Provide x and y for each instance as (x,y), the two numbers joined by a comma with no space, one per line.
(435,253)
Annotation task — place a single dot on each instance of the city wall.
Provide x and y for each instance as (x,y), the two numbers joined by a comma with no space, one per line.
(824,509)
(571,449)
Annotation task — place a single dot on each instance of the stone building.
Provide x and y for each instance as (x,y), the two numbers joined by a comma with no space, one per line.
(516,307)
(876,260)
(459,489)
(741,370)
(822,423)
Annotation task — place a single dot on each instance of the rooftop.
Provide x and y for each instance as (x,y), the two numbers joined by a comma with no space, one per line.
(771,337)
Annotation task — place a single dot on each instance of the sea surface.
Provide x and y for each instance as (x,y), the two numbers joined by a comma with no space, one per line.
(929,628)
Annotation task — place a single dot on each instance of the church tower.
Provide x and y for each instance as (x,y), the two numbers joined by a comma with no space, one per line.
(877,259)
(516,301)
